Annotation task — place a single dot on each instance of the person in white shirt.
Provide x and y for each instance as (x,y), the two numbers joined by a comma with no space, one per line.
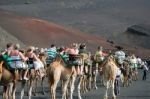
(139,62)
(145,69)
(133,61)
(120,56)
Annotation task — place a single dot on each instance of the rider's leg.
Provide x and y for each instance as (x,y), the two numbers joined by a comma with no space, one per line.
(25,75)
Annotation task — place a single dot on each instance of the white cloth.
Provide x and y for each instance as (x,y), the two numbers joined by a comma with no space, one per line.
(145,67)
(118,72)
(139,61)
(133,61)
(38,65)
(17,63)
(120,55)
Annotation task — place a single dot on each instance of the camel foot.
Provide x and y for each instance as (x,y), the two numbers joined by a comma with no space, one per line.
(113,97)
(43,93)
(105,97)
(79,97)
(86,90)
(96,88)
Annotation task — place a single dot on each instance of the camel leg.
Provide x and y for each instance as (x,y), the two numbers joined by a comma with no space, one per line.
(64,89)
(42,84)
(22,89)
(95,86)
(96,72)
(90,78)
(122,78)
(126,81)
(53,85)
(85,83)
(89,83)
(10,91)
(36,85)
(79,86)
(30,89)
(130,80)
(72,86)
(86,78)
(14,91)
(92,81)
(136,75)
(5,96)
(113,92)
(106,90)
(82,86)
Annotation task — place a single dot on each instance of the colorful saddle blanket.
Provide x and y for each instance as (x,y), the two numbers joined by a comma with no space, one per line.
(73,60)
(13,63)
(51,56)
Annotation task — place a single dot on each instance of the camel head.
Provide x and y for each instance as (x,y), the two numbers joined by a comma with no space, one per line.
(43,57)
(111,58)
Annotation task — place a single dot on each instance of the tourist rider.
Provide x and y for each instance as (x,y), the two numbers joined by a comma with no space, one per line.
(52,52)
(64,55)
(133,62)
(8,49)
(18,61)
(99,57)
(73,51)
(84,53)
(35,61)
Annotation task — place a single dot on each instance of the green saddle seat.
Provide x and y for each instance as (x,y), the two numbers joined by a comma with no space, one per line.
(51,56)
(69,63)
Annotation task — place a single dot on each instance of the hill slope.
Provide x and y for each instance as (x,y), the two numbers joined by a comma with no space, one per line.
(7,38)
(107,18)
(41,33)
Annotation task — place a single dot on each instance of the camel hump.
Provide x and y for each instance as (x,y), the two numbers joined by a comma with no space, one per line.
(1,63)
(58,58)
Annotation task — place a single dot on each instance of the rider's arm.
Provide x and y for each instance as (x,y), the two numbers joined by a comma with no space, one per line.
(35,57)
(23,57)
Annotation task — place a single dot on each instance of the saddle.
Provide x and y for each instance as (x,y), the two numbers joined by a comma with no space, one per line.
(51,56)
(71,60)
(74,60)
(11,64)
(7,60)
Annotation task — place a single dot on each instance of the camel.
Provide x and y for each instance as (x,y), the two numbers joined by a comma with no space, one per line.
(57,71)
(33,80)
(109,69)
(89,77)
(95,70)
(8,80)
(127,73)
